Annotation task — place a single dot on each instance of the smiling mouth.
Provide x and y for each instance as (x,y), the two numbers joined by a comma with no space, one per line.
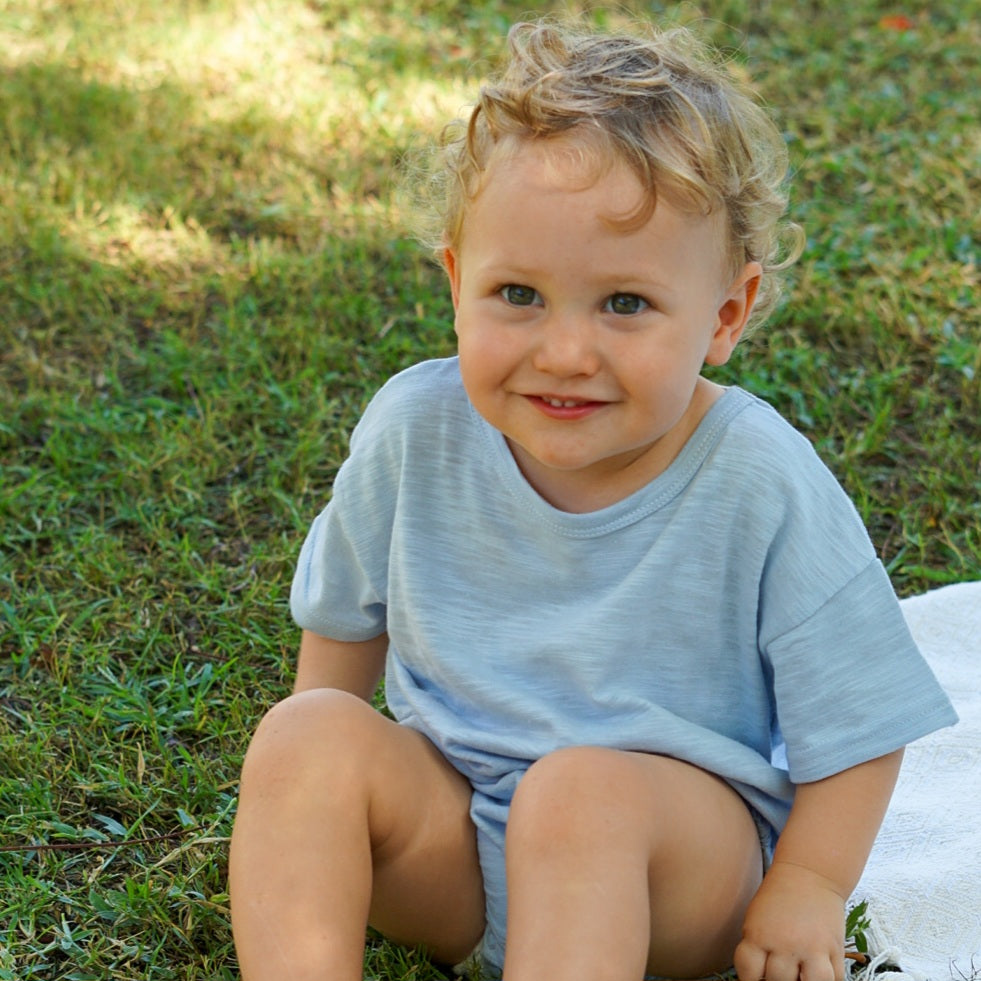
(563,403)
(569,409)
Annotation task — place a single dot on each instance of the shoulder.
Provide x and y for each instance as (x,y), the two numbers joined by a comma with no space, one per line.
(400,442)
(420,403)
(788,508)
(763,454)
(780,493)
(422,384)
(758,432)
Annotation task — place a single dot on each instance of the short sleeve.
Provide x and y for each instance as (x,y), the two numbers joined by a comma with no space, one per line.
(339,588)
(335,591)
(857,647)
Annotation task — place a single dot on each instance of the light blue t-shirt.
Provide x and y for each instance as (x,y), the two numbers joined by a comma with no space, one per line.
(731,613)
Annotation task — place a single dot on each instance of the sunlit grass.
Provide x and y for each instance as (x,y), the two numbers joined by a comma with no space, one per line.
(205,272)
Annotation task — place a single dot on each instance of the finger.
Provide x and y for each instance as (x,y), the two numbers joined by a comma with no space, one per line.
(822,968)
(749,960)
(784,967)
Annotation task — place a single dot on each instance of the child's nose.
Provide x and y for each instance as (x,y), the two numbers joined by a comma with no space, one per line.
(566,347)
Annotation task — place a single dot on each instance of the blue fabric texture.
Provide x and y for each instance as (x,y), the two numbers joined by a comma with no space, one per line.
(732,613)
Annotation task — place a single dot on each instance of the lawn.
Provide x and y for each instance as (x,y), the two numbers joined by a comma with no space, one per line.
(206,270)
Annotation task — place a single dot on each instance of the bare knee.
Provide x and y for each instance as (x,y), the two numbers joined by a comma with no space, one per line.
(570,770)
(313,733)
(567,796)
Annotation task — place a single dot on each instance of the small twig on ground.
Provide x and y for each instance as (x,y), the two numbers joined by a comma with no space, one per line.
(83,846)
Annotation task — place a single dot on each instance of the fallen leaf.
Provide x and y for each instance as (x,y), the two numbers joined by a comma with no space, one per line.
(896,22)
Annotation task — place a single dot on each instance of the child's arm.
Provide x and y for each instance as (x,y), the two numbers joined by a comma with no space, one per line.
(350,666)
(794,927)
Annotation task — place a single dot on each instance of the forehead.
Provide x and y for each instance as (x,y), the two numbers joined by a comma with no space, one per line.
(542,205)
(569,162)
(579,162)
(557,164)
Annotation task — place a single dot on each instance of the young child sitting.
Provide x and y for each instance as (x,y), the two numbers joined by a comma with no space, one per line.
(650,682)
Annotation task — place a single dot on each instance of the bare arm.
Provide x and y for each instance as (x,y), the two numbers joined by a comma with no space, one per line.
(350,666)
(795,925)
(833,822)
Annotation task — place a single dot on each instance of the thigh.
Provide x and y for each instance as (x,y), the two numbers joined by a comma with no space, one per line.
(427,883)
(651,860)
(368,807)
(705,865)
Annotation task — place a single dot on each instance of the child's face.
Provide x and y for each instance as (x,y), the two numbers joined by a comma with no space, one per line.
(581,341)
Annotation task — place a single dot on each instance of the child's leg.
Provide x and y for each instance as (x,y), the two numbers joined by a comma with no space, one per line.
(344,818)
(625,864)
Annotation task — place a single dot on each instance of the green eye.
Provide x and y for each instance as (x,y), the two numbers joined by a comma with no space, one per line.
(625,304)
(519,296)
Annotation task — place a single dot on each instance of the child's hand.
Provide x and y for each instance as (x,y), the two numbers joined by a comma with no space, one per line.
(794,929)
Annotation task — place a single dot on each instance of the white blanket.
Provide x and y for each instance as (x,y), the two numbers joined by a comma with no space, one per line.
(923,879)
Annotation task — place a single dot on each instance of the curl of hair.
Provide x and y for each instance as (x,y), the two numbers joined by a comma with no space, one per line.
(661,103)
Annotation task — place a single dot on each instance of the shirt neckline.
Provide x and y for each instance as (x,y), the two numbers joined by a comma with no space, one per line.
(647,500)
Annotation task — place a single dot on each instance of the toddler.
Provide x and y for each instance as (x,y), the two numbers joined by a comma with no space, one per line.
(629,623)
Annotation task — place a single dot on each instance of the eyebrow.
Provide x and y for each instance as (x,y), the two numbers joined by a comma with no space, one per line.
(629,281)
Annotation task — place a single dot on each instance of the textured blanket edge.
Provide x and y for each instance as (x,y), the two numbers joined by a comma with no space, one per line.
(946,624)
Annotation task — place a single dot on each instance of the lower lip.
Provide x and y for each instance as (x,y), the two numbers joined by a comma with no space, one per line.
(568,413)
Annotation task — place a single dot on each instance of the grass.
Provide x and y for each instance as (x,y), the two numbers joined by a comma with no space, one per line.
(205,273)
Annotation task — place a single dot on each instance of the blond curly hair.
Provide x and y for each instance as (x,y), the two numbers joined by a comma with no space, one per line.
(658,101)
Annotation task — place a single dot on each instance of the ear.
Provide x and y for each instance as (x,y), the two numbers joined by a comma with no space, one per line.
(452,266)
(733,314)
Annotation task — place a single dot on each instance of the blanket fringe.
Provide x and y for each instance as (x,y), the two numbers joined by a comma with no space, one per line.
(884,966)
